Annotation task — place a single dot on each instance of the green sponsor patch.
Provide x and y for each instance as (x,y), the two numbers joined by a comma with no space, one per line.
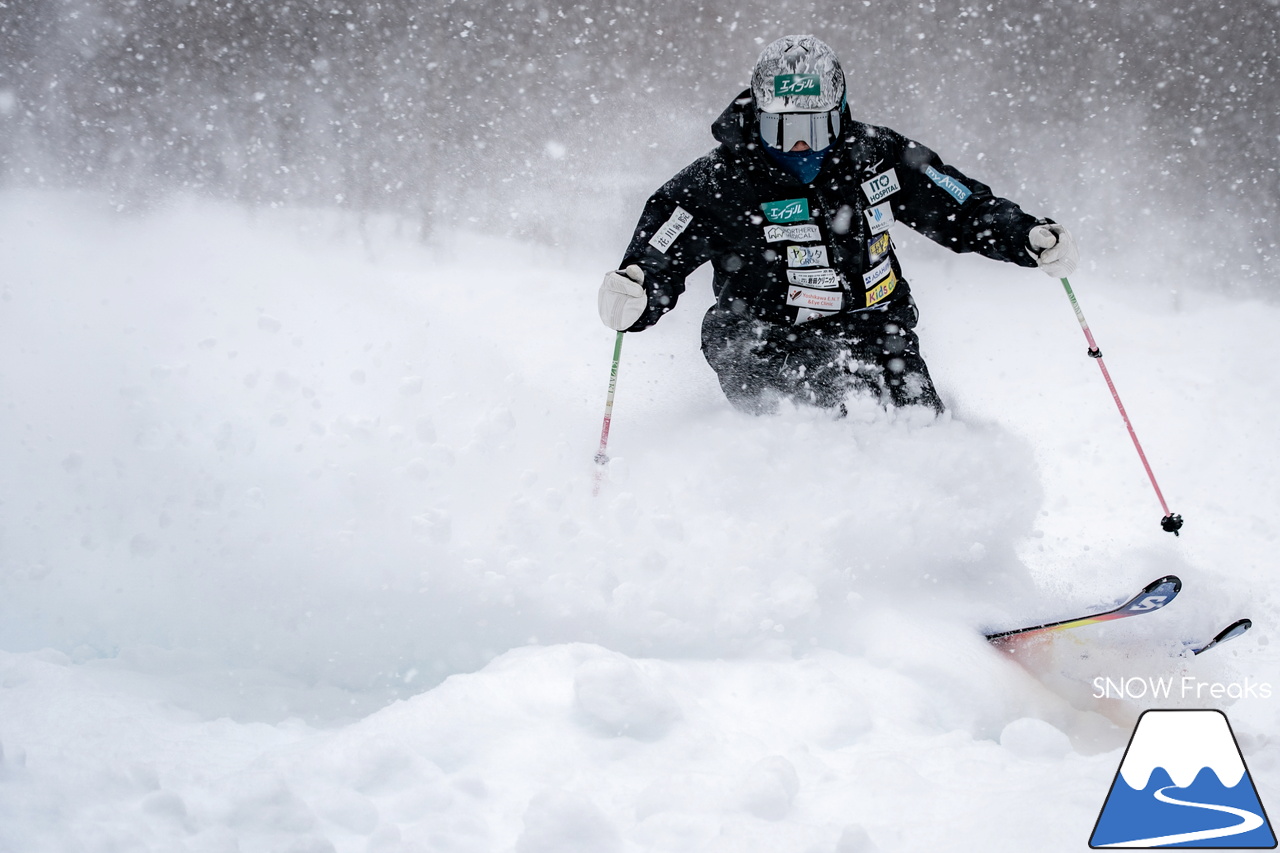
(795,85)
(790,210)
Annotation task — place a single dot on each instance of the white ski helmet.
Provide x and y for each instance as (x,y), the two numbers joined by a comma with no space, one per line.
(799,91)
(797,74)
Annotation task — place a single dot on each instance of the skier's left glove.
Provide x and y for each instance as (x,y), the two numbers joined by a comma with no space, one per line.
(1054,249)
(622,298)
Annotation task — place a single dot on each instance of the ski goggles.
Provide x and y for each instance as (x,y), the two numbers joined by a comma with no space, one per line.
(783,130)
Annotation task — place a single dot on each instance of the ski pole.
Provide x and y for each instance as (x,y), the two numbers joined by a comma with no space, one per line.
(602,458)
(1170,523)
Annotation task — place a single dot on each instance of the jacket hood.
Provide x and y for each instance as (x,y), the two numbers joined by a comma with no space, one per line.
(736,126)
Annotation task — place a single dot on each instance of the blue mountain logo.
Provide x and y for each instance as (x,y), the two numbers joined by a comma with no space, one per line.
(1183,783)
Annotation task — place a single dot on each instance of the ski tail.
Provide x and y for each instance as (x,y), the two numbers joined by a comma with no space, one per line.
(1235,629)
(1155,595)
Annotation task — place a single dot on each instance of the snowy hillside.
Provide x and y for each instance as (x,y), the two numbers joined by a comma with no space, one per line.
(298,551)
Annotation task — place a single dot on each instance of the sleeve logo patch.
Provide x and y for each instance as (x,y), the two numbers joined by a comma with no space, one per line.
(795,233)
(790,210)
(825,279)
(673,228)
(881,271)
(954,188)
(880,218)
(815,300)
(883,290)
(807,256)
(881,186)
(878,247)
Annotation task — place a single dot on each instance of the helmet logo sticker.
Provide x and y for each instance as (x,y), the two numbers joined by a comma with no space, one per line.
(795,85)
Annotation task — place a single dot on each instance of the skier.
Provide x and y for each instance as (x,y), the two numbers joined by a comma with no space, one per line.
(794,210)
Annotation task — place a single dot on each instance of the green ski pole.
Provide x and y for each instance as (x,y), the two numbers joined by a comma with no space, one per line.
(602,458)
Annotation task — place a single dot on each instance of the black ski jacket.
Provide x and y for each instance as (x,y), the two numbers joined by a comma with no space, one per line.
(787,252)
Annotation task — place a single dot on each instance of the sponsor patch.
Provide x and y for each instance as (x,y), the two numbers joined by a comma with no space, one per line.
(822,278)
(883,290)
(871,279)
(804,315)
(954,188)
(789,210)
(880,217)
(881,186)
(795,85)
(807,256)
(878,247)
(671,229)
(795,233)
(815,300)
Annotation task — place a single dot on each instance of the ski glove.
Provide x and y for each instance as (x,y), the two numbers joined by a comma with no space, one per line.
(622,297)
(1054,249)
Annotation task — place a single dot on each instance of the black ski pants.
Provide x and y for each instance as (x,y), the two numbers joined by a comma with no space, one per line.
(819,363)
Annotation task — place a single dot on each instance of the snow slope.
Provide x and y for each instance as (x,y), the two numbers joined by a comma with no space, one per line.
(298,551)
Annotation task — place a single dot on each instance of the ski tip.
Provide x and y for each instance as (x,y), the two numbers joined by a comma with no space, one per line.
(1172,580)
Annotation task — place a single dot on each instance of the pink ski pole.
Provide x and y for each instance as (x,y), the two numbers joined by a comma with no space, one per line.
(1171,523)
(602,458)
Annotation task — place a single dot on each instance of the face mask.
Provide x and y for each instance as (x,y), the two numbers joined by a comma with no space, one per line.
(805,165)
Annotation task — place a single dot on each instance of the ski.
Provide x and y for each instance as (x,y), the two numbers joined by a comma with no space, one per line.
(1235,629)
(1153,596)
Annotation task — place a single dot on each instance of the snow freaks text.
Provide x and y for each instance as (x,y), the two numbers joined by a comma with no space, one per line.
(1186,687)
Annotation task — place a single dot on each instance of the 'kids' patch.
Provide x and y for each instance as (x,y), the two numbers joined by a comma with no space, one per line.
(882,291)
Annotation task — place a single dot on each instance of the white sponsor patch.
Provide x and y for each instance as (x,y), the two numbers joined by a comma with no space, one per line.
(815,300)
(821,278)
(804,315)
(880,218)
(807,256)
(881,271)
(881,186)
(796,233)
(672,229)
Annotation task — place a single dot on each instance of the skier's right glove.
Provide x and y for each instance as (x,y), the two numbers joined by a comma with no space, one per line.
(1054,249)
(622,297)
